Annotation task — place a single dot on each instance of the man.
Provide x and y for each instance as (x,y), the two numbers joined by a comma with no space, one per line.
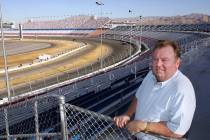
(165,102)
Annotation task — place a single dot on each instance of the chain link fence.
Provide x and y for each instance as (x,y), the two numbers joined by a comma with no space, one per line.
(52,119)
(86,125)
(30,119)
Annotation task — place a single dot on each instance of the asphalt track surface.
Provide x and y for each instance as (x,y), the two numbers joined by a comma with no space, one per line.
(15,47)
(117,47)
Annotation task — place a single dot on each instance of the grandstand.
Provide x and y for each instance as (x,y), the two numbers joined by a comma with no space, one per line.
(42,112)
(76,26)
(88,22)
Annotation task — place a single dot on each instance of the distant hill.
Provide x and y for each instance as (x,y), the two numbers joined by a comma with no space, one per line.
(193,18)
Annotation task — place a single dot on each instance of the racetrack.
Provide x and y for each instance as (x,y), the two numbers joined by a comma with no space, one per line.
(68,64)
(27,50)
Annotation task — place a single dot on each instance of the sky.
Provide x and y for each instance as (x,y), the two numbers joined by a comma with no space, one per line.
(18,10)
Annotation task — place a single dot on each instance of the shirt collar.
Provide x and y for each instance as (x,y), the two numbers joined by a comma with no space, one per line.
(162,84)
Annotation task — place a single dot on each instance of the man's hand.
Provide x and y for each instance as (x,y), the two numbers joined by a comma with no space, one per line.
(136,126)
(122,120)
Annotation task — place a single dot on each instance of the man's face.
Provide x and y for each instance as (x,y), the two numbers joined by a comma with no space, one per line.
(164,63)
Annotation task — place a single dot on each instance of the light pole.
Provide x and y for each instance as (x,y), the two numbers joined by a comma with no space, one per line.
(5,58)
(99,3)
(140,18)
(130,34)
(130,48)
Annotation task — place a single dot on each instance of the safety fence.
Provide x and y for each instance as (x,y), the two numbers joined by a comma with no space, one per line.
(52,119)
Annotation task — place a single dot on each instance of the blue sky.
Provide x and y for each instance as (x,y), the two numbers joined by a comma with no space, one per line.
(17,10)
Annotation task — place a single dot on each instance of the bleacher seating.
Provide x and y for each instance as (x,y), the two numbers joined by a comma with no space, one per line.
(86,22)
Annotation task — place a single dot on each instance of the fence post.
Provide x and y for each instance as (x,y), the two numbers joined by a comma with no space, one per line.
(85,67)
(92,67)
(36,119)
(135,70)
(6,123)
(64,133)
(68,75)
(12,87)
(30,85)
(57,77)
(78,72)
(13,91)
(113,60)
(44,81)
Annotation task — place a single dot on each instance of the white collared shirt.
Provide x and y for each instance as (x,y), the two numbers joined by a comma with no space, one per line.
(172,101)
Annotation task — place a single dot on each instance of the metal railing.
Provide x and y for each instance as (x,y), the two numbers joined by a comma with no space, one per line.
(38,119)
(51,118)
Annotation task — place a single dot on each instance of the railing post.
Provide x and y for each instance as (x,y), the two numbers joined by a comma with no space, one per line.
(12,87)
(135,70)
(64,133)
(78,72)
(113,59)
(68,75)
(57,78)
(6,123)
(92,68)
(30,85)
(85,69)
(44,79)
(36,119)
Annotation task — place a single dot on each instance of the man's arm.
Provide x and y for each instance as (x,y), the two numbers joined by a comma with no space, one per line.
(132,108)
(153,127)
(122,120)
(162,129)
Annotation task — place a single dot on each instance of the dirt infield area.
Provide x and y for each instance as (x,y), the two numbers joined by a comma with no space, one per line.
(89,55)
